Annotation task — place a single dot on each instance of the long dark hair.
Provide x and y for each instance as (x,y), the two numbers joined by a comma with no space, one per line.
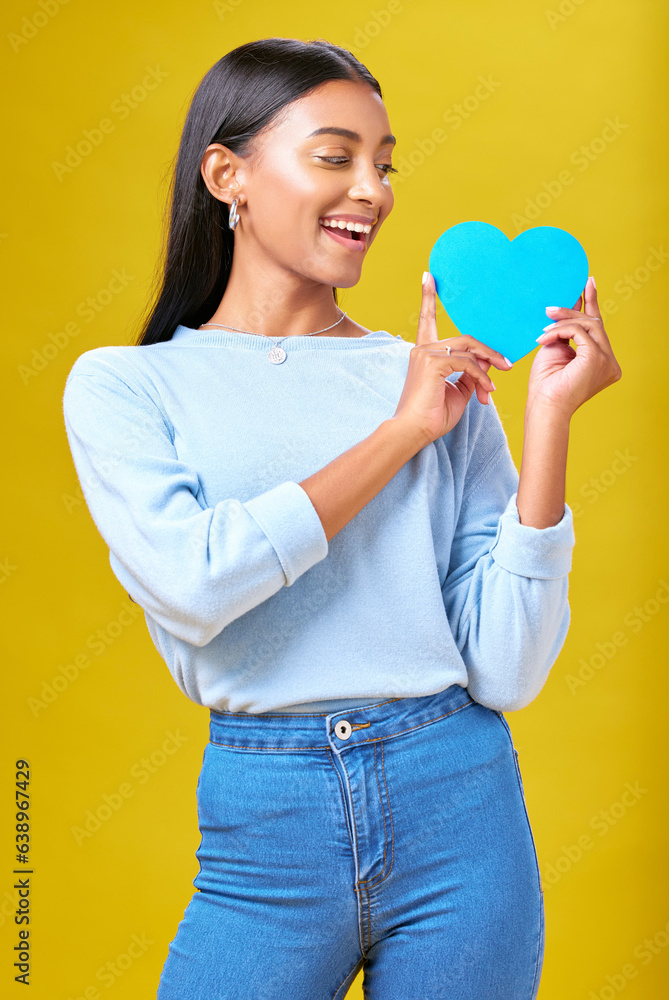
(238,96)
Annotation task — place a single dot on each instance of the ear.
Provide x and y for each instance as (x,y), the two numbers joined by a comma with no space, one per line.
(221,171)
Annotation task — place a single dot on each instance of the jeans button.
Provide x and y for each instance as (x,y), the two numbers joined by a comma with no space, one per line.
(343,729)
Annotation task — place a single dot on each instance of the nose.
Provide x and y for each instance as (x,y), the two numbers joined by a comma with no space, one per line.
(368,186)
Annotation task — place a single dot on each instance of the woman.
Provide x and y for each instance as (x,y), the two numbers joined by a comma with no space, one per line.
(336,556)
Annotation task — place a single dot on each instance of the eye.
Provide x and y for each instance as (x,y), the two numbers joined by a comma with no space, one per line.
(386,167)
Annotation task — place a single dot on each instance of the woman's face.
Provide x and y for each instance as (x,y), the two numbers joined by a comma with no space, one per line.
(304,170)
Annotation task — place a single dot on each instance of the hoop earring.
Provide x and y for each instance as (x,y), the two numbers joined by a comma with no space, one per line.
(233,217)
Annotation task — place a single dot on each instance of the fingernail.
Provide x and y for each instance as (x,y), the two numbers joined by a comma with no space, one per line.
(426,275)
(592,279)
(493,384)
(541,336)
(552,309)
(509,363)
(549,327)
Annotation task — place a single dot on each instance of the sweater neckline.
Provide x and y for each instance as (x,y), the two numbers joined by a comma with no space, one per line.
(254,341)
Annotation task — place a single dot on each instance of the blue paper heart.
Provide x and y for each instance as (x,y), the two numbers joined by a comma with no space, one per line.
(497,290)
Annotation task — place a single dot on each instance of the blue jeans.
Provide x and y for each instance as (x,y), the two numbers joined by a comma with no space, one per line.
(393,838)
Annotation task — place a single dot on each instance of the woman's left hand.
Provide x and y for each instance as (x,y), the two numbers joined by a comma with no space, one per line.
(565,378)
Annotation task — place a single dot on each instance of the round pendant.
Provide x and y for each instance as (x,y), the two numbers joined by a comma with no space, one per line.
(277,355)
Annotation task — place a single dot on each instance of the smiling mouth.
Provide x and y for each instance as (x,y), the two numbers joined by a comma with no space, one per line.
(354,229)
(346,234)
(352,239)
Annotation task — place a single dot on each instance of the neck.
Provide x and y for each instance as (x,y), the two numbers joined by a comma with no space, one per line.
(272,302)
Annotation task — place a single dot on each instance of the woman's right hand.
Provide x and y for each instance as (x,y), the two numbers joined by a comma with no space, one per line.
(430,406)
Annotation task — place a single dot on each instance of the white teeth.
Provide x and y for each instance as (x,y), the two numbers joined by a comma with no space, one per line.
(357,227)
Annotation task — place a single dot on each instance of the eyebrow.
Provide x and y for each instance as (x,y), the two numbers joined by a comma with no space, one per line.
(348,134)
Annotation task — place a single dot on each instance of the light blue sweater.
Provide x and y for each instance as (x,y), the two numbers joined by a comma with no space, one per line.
(190,453)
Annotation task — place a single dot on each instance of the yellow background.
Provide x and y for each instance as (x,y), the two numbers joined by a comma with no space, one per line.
(558,72)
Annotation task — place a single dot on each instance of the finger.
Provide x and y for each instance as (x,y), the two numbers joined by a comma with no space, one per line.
(561,312)
(592,324)
(583,339)
(465,384)
(591,303)
(481,350)
(587,321)
(581,336)
(598,332)
(591,306)
(427,319)
(464,362)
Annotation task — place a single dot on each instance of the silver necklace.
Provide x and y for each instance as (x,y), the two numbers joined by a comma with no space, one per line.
(277,354)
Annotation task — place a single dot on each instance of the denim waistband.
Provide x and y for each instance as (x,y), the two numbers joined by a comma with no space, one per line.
(337,731)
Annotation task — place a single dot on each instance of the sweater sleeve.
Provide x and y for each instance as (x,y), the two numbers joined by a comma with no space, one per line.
(194,568)
(506,591)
